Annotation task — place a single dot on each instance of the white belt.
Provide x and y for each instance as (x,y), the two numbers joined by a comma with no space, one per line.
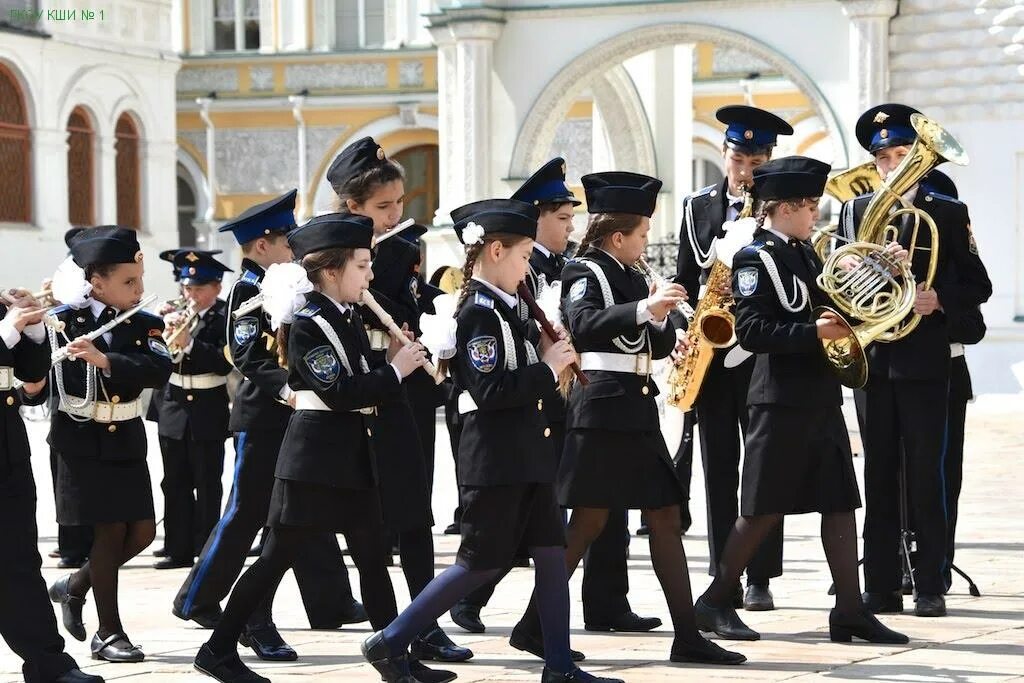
(630,363)
(207,380)
(103,412)
(308,400)
(956,350)
(379,339)
(6,378)
(466,403)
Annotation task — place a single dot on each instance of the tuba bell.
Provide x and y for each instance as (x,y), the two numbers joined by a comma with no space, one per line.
(880,291)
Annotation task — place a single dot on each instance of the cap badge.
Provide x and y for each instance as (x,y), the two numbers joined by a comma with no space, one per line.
(748,135)
(883,133)
(191,271)
(191,257)
(380,153)
(138,257)
(880,117)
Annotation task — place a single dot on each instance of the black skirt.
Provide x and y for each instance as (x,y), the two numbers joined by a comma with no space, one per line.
(500,521)
(401,468)
(321,507)
(93,491)
(797,460)
(610,469)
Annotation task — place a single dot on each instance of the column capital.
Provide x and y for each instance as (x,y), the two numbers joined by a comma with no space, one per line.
(476,29)
(862,9)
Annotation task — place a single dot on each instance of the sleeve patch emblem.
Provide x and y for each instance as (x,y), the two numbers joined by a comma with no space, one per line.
(246,329)
(323,363)
(747,281)
(483,353)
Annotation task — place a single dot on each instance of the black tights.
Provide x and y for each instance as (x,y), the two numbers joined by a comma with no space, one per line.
(667,556)
(838,538)
(280,548)
(114,543)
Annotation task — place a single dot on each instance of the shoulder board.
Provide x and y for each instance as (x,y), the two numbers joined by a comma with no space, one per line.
(149,314)
(943,198)
(58,310)
(752,248)
(250,278)
(484,300)
(307,311)
(705,191)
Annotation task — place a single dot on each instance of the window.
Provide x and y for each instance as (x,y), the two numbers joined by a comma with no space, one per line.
(186,209)
(15,152)
(421,184)
(80,168)
(126,150)
(359,24)
(236,25)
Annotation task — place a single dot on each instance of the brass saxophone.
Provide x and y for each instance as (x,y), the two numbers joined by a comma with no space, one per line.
(713,326)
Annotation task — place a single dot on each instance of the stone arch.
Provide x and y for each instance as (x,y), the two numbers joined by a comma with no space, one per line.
(551,105)
(616,96)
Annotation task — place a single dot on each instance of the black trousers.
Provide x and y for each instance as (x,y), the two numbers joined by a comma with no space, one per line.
(423,396)
(27,623)
(605,579)
(722,424)
(451,419)
(319,571)
(192,493)
(72,541)
(683,461)
(956,418)
(911,414)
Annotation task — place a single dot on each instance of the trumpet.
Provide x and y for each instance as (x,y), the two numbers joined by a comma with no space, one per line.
(190,322)
(43,296)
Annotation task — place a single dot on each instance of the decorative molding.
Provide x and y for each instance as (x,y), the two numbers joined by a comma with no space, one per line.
(205,79)
(333,76)
(857,9)
(261,78)
(410,73)
(538,128)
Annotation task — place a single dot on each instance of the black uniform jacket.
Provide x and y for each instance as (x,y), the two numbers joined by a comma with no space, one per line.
(551,269)
(199,414)
(333,447)
(789,367)
(703,215)
(961,283)
(31,362)
(506,440)
(253,348)
(139,360)
(614,401)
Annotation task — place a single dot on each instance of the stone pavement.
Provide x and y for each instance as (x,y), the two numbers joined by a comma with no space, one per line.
(981,640)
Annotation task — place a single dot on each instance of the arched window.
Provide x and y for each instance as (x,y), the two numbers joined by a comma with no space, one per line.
(126,148)
(186,208)
(15,152)
(81,185)
(421,184)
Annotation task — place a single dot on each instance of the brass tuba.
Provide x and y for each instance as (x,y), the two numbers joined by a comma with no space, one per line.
(880,291)
(845,187)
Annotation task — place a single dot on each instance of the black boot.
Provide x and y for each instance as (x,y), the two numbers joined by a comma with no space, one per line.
(76,675)
(758,598)
(267,643)
(702,651)
(225,668)
(467,617)
(863,625)
(723,621)
(392,668)
(435,645)
(573,676)
(424,675)
(70,607)
(929,605)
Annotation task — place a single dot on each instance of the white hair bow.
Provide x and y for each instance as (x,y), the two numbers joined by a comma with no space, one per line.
(70,286)
(284,292)
(472,234)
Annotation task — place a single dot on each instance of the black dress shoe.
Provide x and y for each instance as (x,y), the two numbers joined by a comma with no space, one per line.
(723,621)
(207,618)
(573,676)
(452,529)
(628,622)
(353,613)
(225,668)
(643,530)
(173,563)
(69,562)
(70,607)
(115,648)
(930,605)
(392,668)
(55,553)
(702,651)
(467,617)
(883,603)
(422,674)
(435,645)
(77,676)
(758,599)
(863,625)
(160,552)
(521,639)
(521,562)
(267,643)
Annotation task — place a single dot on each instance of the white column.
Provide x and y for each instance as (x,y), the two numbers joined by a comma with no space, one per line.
(474,50)
(49,170)
(449,145)
(869,49)
(211,158)
(158,190)
(304,209)
(683,138)
(267,29)
(106,180)
(200,26)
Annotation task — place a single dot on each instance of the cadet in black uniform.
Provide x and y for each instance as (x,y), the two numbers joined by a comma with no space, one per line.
(258,419)
(905,377)
(193,412)
(506,460)
(615,456)
(798,455)
(97,430)
(750,137)
(605,582)
(367,183)
(26,618)
(325,479)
